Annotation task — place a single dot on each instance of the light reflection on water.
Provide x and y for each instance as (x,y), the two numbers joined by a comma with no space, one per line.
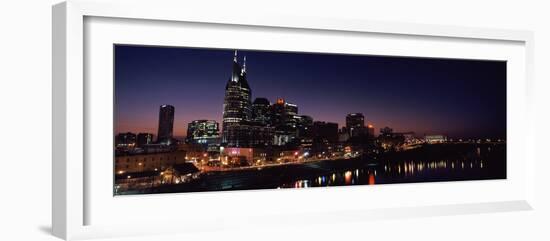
(391,172)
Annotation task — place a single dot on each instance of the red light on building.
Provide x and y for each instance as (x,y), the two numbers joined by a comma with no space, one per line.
(280,101)
(371,179)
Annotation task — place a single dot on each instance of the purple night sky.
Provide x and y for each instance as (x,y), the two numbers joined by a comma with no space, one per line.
(459,98)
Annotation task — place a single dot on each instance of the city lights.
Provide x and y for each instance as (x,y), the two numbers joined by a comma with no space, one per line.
(348,127)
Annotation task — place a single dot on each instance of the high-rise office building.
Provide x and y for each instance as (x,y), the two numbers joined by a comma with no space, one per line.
(291,111)
(277,111)
(166,124)
(355,124)
(304,124)
(283,114)
(260,111)
(237,106)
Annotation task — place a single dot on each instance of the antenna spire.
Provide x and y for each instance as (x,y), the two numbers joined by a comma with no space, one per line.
(244,64)
(235,57)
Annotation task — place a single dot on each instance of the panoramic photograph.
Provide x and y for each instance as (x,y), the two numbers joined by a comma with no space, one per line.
(204,119)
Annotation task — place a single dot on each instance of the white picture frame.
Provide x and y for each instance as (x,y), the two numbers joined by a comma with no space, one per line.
(72,194)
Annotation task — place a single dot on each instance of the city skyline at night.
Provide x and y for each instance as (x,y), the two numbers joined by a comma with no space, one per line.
(460,98)
(300,120)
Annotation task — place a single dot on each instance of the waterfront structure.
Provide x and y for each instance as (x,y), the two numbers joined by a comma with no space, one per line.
(243,156)
(144,139)
(431,139)
(237,107)
(203,132)
(146,162)
(409,137)
(237,156)
(355,124)
(125,140)
(166,125)
(389,140)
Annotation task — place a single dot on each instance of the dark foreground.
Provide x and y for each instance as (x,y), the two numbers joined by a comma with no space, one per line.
(430,163)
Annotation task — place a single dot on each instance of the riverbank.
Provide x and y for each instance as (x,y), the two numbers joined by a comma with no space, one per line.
(465,162)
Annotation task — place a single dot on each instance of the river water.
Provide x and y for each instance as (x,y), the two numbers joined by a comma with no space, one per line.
(434,163)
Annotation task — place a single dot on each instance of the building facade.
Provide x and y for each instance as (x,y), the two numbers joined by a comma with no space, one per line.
(144,139)
(260,111)
(147,162)
(355,124)
(370,130)
(125,140)
(326,131)
(203,132)
(166,124)
(432,139)
(237,106)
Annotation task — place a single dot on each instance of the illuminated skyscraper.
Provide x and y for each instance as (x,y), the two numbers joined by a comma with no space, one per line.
(237,107)
(166,124)
(283,114)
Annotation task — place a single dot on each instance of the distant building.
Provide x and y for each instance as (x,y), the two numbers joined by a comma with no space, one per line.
(291,111)
(390,140)
(409,137)
(326,130)
(125,140)
(236,156)
(431,139)
(355,124)
(370,130)
(249,135)
(166,124)
(147,161)
(386,131)
(260,111)
(343,135)
(144,139)
(283,136)
(203,132)
(277,111)
(304,125)
(284,114)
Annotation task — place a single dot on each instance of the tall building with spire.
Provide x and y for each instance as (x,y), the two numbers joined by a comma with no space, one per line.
(237,106)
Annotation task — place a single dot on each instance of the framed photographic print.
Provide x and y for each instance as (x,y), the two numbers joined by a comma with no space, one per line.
(276,118)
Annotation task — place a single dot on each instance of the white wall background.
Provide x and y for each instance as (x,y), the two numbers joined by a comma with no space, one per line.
(25,122)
